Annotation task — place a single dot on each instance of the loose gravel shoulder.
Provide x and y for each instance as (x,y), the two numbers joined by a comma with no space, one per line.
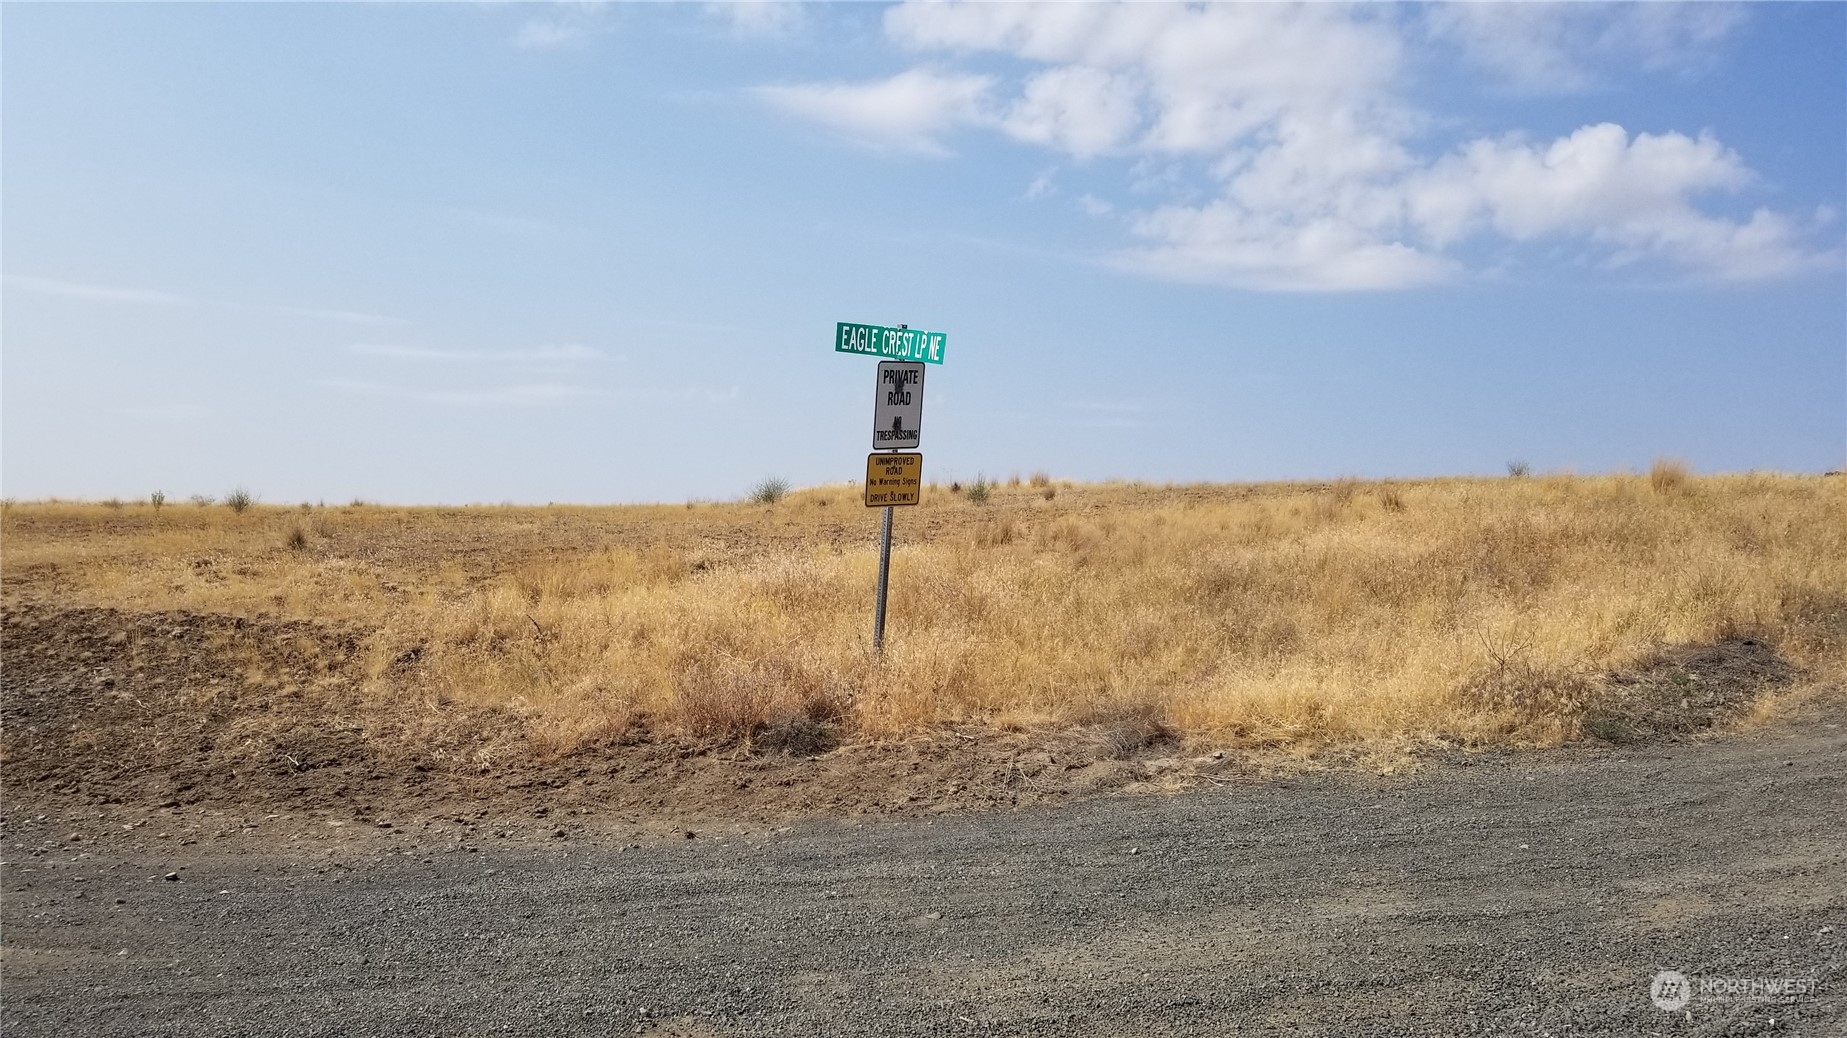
(1488,895)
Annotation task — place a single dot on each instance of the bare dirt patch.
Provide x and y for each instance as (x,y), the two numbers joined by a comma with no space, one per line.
(1687,689)
(179,708)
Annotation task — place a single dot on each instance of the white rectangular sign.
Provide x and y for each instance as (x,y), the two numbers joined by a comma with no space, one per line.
(897,417)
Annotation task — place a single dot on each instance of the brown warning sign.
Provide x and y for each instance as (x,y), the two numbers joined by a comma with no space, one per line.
(893,479)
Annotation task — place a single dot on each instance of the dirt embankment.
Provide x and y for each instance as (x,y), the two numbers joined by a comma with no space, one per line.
(102,707)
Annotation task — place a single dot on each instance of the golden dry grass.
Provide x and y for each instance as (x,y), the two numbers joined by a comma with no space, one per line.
(1666,475)
(1474,610)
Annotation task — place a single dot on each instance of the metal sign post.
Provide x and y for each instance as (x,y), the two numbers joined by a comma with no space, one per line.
(894,476)
(878,604)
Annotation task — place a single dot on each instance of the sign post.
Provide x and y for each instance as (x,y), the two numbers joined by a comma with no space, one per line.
(892,480)
(895,478)
(878,602)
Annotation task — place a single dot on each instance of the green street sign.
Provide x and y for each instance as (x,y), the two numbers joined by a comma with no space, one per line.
(890,343)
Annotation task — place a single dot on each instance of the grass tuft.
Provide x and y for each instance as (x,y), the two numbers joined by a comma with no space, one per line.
(1127,728)
(1667,475)
(796,736)
(994,534)
(239,500)
(768,491)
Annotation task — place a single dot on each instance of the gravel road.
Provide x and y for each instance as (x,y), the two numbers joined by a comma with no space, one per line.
(1502,894)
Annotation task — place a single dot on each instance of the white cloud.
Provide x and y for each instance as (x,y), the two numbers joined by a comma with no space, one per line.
(1082,110)
(1210,74)
(1278,150)
(1224,243)
(1150,175)
(1633,194)
(1313,206)
(1523,44)
(1338,208)
(907,112)
(1595,178)
(1557,48)
(1679,37)
(1332,166)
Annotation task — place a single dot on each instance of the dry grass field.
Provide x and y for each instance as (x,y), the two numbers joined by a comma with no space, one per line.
(1471,611)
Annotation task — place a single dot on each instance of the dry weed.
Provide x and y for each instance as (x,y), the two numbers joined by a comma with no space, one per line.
(1667,475)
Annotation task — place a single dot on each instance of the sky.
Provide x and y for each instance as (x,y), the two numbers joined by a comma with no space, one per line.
(435,253)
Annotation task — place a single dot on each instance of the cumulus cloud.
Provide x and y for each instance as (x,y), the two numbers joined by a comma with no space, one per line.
(910,111)
(1635,194)
(1079,109)
(1275,149)
(1224,243)
(1335,208)
(1210,74)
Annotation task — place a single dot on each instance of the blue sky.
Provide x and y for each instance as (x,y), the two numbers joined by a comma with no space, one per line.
(461,253)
